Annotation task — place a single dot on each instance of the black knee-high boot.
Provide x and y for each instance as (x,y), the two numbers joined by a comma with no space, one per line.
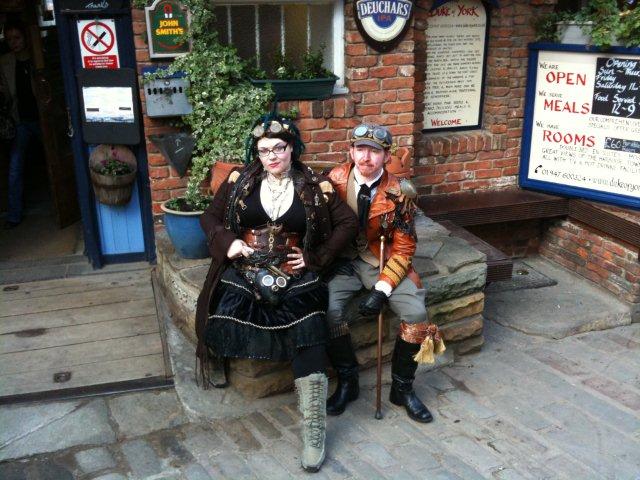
(403,369)
(343,359)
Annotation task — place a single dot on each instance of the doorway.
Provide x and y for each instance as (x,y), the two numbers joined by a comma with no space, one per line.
(48,225)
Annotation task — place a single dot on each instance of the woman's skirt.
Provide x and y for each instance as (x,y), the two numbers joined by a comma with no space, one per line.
(242,326)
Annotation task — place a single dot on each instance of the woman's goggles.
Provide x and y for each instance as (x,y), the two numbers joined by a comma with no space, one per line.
(273,127)
(371,135)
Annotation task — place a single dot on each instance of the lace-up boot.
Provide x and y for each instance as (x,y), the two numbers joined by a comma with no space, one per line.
(312,395)
(403,369)
(343,359)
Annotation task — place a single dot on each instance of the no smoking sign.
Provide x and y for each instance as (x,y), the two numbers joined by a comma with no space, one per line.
(98,43)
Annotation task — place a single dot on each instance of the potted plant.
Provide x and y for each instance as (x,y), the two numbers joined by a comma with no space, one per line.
(224,106)
(112,169)
(311,81)
(599,23)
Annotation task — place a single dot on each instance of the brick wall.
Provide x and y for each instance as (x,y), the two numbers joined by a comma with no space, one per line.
(164,181)
(607,261)
(381,90)
(487,158)
(387,88)
(516,239)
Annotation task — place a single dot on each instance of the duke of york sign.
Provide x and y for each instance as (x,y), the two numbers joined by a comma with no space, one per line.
(383,22)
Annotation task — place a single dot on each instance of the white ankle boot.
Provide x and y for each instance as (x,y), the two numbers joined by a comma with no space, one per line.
(312,398)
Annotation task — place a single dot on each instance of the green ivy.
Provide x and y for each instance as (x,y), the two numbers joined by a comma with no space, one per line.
(225,104)
(629,33)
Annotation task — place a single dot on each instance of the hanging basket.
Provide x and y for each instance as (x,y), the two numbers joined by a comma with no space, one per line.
(112,189)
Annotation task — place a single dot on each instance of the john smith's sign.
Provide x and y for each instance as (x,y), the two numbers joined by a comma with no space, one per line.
(383,22)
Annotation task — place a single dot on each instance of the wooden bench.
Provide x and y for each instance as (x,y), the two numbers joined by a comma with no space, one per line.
(499,206)
(455,212)
(610,220)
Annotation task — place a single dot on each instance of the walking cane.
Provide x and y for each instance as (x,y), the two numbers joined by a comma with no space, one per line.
(379,366)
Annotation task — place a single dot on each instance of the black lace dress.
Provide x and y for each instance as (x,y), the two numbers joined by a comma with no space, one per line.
(241,326)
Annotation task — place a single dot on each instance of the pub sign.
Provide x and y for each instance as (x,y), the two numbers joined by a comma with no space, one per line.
(167,29)
(383,23)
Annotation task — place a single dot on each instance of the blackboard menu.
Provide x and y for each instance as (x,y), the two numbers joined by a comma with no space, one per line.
(582,124)
(617,87)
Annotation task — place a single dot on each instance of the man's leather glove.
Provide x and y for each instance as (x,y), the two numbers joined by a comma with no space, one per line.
(372,304)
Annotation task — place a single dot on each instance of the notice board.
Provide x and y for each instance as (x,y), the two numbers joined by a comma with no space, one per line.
(581,132)
(456,37)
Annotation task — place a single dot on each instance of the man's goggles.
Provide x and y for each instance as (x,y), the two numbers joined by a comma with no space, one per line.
(371,135)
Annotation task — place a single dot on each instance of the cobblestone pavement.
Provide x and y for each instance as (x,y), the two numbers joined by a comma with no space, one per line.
(525,407)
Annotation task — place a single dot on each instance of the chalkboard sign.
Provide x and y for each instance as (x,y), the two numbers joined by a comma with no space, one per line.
(176,148)
(622,145)
(581,134)
(617,87)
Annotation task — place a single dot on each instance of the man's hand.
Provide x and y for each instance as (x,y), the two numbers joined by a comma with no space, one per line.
(373,303)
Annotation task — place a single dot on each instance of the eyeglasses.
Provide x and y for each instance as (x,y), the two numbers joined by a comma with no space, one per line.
(277,150)
(377,134)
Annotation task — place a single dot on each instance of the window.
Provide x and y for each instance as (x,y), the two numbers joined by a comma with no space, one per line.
(259,30)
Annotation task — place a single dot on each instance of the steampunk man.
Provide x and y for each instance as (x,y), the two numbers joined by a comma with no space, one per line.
(383,209)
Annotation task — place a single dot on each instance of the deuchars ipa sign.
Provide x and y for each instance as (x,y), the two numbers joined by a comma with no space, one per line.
(383,22)
(167,27)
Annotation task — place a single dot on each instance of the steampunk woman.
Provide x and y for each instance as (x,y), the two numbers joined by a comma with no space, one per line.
(272,228)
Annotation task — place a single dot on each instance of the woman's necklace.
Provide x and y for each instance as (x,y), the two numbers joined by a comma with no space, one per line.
(277,188)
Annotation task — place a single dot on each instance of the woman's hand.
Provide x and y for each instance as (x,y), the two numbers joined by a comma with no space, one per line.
(297,259)
(239,248)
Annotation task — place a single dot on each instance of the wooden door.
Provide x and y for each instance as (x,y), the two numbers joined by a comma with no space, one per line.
(56,127)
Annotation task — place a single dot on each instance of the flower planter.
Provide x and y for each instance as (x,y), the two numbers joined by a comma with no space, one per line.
(400,164)
(185,233)
(572,33)
(113,189)
(313,89)
(219,173)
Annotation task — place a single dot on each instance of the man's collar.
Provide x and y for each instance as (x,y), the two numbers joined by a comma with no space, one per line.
(360,180)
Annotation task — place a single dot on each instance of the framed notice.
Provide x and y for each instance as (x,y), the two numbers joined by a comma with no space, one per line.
(98,43)
(456,37)
(581,132)
(108,100)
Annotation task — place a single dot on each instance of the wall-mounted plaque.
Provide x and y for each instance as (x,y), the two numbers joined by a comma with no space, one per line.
(81,6)
(582,123)
(167,29)
(456,51)
(383,23)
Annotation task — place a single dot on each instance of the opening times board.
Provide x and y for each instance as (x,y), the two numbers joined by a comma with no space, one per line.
(582,125)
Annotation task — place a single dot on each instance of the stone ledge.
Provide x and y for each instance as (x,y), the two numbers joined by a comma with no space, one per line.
(452,272)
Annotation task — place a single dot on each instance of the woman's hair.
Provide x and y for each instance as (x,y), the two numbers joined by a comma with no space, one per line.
(15,24)
(273,125)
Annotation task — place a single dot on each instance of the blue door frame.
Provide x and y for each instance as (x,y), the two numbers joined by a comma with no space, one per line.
(71,62)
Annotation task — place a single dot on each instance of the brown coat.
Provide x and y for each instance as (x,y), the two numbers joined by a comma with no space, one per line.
(331,226)
(390,215)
